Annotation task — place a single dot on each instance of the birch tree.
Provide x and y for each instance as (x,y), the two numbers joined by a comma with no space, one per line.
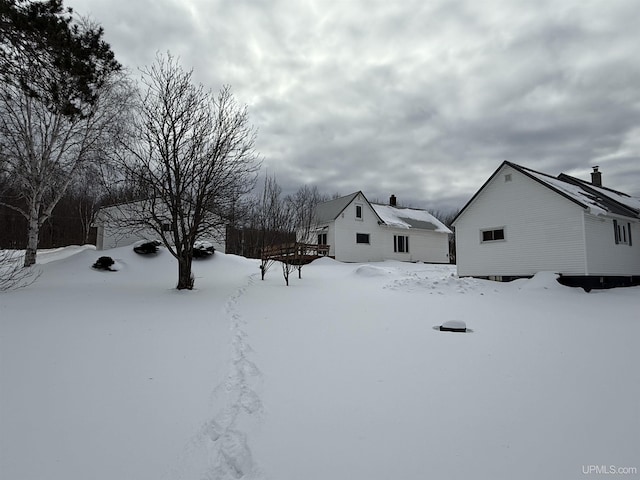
(43,149)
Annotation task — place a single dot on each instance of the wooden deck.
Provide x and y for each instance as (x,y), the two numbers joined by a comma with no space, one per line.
(295,253)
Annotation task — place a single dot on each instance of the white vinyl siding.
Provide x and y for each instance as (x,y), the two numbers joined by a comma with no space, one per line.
(345,228)
(604,256)
(425,245)
(544,231)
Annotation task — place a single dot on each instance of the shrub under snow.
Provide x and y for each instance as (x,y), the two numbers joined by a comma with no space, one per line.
(202,249)
(146,247)
(104,263)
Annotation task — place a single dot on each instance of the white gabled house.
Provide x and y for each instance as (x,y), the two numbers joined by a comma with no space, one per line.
(359,231)
(522,222)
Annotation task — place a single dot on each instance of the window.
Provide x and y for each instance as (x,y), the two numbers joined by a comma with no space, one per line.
(622,233)
(359,211)
(362,238)
(322,239)
(401,243)
(507,177)
(492,235)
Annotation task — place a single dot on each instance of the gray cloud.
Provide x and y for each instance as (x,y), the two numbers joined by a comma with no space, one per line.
(420,99)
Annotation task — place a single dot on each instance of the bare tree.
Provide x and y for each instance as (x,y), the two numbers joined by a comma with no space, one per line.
(302,206)
(271,224)
(43,149)
(192,154)
(12,275)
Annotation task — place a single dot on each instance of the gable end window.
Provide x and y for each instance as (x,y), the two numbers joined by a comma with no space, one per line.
(359,212)
(401,243)
(362,238)
(492,235)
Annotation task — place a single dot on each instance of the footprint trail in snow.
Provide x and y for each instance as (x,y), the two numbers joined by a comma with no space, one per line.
(227,451)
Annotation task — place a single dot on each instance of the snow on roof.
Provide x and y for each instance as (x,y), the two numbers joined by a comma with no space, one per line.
(409,218)
(623,198)
(573,191)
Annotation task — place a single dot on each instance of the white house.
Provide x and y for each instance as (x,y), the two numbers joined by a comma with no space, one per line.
(358,231)
(116,226)
(521,222)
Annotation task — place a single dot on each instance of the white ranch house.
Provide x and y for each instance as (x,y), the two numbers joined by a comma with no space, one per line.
(522,222)
(359,231)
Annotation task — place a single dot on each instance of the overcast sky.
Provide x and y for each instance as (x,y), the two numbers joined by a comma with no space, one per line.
(422,99)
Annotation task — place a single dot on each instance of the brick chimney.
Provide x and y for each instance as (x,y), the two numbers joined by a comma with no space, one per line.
(596,177)
(392,200)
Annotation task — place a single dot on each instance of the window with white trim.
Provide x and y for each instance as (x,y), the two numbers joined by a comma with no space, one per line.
(362,238)
(322,239)
(622,233)
(359,212)
(492,235)
(401,243)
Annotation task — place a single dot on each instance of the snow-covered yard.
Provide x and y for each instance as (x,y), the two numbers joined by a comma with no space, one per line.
(116,375)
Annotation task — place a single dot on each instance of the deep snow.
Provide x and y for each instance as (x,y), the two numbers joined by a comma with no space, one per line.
(116,375)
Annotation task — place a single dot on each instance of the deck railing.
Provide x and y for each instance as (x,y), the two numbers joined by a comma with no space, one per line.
(295,252)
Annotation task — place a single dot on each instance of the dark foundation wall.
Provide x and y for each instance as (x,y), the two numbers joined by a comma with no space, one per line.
(593,283)
(586,282)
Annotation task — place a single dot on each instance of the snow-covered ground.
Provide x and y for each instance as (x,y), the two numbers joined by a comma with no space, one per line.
(116,375)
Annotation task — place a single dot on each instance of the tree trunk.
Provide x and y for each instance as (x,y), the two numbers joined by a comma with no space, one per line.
(185,277)
(32,238)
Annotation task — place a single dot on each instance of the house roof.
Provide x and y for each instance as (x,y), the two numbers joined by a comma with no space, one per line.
(387,215)
(329,211)
(409,218)
(596,200)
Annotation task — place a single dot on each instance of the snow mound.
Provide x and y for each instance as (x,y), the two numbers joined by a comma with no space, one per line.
(324,261)
(54,254)
(372,271)
(439,284)
(540,281)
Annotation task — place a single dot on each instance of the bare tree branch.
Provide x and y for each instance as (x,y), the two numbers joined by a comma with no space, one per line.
(192,156)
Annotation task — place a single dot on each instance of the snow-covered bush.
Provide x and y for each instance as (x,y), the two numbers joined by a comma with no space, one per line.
(202,249)
(146,247)
(104,263)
